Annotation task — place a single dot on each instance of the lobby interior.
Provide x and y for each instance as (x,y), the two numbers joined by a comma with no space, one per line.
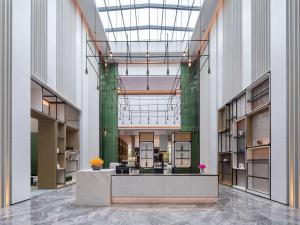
(149,112)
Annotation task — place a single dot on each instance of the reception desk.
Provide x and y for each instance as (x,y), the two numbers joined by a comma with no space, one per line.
(173,188)
(101,188)
(93,187)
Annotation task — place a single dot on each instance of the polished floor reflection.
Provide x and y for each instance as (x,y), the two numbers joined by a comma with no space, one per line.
(234,207)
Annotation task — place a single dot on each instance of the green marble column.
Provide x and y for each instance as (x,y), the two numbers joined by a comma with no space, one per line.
(108,114)
(190,110)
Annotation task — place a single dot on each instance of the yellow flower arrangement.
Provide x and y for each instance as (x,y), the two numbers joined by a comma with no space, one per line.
(96,161)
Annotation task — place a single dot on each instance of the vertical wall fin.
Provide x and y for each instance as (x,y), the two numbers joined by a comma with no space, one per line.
(5,102)
(39,39)
(260,32)
(293,74)
(66,49)
(232,54)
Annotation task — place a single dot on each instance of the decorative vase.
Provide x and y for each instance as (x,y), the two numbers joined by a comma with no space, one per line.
(202,171)
(96,167)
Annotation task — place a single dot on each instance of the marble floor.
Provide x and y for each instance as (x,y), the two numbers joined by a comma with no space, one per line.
(234,207)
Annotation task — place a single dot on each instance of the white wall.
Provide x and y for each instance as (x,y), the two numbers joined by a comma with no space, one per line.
(89,101)
(208,106)
(73,84)
(66,71)
(224,81)
(51,44)
(20,158)
(279,173)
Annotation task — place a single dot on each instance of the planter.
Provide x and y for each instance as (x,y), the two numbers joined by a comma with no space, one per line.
(202,171)
(96,167)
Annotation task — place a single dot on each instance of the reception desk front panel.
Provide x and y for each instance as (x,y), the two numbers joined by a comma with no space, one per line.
(173,188)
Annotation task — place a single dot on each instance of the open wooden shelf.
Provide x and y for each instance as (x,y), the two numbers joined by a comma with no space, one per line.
(58,127)
(122,151)
(258,94)
(244,134)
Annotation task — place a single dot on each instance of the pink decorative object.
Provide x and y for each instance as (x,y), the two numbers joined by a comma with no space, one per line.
(201,166)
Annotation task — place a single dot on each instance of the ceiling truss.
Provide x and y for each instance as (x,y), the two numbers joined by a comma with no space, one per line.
(149,5)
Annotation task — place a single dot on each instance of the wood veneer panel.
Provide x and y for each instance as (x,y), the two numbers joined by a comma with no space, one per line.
(146,136)
(183,136)
(47,154)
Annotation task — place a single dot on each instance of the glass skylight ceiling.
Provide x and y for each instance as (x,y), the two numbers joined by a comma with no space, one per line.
(149,19)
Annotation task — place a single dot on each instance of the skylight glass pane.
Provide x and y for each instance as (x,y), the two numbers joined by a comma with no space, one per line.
(171,24)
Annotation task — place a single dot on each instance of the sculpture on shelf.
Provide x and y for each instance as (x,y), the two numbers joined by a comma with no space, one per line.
(96,163)
(202,167)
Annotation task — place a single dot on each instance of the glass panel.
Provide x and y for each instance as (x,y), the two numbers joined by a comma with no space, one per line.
(258,169)
(257,184)
(170,18)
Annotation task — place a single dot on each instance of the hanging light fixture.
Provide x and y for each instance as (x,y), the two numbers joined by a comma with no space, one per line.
(105,132)
(86,70)
(110,54)
(190,63)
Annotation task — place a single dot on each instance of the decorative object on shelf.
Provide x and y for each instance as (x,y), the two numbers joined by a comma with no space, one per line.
(96,163)
(259,142)
(69,147)
(241,132)
(241,166)
(202,167)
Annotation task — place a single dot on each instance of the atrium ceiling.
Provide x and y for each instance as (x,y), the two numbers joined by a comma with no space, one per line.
(149,40)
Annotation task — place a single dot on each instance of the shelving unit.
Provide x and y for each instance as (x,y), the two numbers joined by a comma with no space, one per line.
(239,152)
(259,137)
(182,146)
(225,116)
(146,148)
(58,137)
(61,154)
(122,151)
(244,145)
(72,153)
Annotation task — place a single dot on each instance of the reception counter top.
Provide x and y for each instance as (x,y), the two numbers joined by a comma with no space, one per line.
(172,174)
(101,188)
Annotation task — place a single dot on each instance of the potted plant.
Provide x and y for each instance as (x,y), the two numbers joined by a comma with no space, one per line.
(96,163)
(202,167)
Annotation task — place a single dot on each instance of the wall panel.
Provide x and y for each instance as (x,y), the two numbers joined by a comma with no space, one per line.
(20,135)
(232,55)
(278,43)
(260,37)
(66,49)
(39,39)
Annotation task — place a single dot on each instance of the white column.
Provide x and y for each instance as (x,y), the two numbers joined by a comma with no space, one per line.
(5,101)
(293,83)
(20,157)
(279,161)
